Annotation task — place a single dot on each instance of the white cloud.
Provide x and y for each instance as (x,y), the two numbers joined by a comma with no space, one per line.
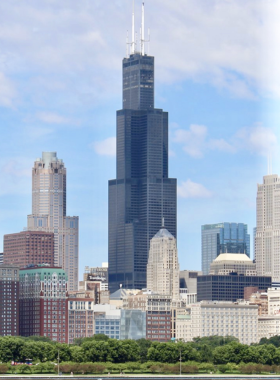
(232,44)
(258,140)
(189,189)
(193,140)
(52,118)
(105,147)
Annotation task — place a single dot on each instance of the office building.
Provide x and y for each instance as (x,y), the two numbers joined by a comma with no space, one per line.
(163,267)
(29,247)
(1,258)
(43,303)
(80,316)
(49,213)
(267,237)
(228,287)
(9,300)
(142,193)
(227,263)
(220,319)
(160,318)
(133,324)
(107,320)
(188,281)
(223,238)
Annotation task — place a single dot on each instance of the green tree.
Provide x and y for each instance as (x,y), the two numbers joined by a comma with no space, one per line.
(144,345)
(77,354)
(10,348)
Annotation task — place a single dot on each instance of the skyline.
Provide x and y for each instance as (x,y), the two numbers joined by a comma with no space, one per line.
(60,85)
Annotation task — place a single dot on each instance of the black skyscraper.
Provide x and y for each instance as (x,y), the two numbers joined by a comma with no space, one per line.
(142,194)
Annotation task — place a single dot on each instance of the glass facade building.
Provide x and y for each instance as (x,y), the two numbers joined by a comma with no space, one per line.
(142,194)
(228,288)
(223,238)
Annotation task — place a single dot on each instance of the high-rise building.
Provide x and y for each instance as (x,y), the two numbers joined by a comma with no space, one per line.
(49,213)
(142,193)
(43,303)
(223,238)
(9,300)
(29,247)
(163,266)
(267,237)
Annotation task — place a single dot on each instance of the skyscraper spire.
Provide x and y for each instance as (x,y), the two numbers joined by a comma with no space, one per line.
(143,31)
(133,32)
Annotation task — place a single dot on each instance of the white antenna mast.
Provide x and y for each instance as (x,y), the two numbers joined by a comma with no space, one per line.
(127,44)
(143,31)
(133,33)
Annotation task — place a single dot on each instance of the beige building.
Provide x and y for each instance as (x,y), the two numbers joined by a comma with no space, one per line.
(208,318)
(260,299)
(267,238)
(163,267)
(268,326)
(227,263)
(49,213)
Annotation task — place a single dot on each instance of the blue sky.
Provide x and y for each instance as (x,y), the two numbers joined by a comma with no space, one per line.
(217,74)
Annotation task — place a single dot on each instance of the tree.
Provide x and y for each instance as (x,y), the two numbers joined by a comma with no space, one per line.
(10,348)
(144,345)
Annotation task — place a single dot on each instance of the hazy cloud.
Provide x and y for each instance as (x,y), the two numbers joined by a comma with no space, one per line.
(189,189)
(258,140)
(7,91)
(106,147)
(52,118)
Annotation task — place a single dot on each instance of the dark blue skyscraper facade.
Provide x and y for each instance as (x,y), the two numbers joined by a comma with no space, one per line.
(223,238)
(142,194)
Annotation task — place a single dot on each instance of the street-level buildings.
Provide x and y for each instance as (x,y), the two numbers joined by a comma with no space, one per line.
(43,303)
(218,318)
(49,213)
(80,316)
(29,247)
(267,236)
(9,300)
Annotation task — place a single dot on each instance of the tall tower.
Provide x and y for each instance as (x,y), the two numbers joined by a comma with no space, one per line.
(142,193)
(163,270)
(267,237)
(49,213)
(223,238)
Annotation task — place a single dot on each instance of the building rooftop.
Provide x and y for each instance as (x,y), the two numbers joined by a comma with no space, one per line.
(236,257)
(163,232)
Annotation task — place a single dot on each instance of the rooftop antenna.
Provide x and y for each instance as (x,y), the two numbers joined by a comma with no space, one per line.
(133,32)
(127,44)
(143,31)
(162,223)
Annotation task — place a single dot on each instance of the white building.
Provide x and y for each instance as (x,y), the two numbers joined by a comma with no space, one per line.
(268,326)
(163,267)
(208,318)
(49,214)
(267,238)
(227,263)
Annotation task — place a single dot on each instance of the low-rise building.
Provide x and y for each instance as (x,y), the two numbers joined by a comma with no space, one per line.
(268,326)
(218,318)
(80,316)
(133,324)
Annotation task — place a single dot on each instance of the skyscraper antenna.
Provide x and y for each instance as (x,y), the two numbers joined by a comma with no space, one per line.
(133,32)
(143,31)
